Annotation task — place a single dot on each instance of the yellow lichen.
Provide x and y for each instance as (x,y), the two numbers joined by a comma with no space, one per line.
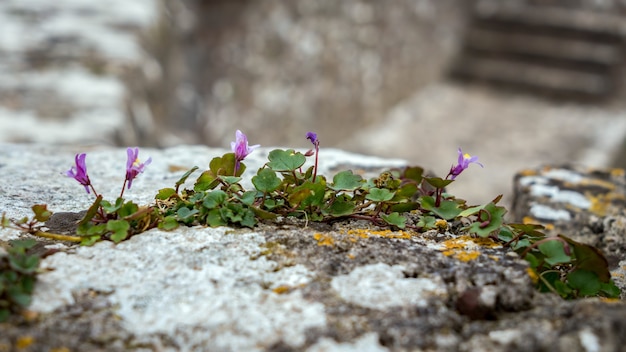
(441,224)
(529,220)
(533,275)
(324,240)
(351,256)
(363,233)
(528,172)
(617,172)
(601,203)
(281,289)
(23,342)
(462,248)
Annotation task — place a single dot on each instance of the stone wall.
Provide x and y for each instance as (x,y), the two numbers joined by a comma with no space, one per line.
(280,68)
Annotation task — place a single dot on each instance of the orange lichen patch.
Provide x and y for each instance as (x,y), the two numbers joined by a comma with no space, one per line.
(601,203)
(618,172)
(281,289)
(528,172)
(351,256)
(529,220)
(324,240)
(23,342)
(363,233)
(610,300)
(533,275)
(494,258)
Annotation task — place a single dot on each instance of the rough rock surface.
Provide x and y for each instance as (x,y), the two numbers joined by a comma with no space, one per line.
(585,204)
(281,286)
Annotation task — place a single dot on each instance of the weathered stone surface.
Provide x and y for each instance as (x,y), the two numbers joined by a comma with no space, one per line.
(588,205)
(282,286)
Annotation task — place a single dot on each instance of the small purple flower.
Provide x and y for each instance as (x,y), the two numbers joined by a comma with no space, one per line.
(133,165)
(241,148)
(79,172)
(463,163)
(312,136)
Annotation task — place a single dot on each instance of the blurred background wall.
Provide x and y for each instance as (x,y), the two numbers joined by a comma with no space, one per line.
(518,82)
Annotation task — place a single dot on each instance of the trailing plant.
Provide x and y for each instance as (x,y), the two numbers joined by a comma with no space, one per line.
(403,198)
(18,272)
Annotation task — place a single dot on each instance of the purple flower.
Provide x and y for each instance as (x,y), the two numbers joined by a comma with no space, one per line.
(312,136)
(133,165)
(241,148)
(463,163)
(79,172)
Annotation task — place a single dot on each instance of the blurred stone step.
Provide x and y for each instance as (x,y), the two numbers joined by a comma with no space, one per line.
(541,79)
(541,46)
(563,20)
(563,52)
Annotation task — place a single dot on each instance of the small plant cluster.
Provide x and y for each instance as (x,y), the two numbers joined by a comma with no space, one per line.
(18,272)
(399,198)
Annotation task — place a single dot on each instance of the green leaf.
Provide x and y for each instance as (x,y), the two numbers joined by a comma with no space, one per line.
(213,199)
(25,264)
(532,260)
(5,222)
(214,218)
(314,196)
(112,208)
(346,180)
(165,193)
(413,173)
(405,207)
(169,223)
(262,214)
(20,246)
(91,212)
(266,181)
(248,198)
(427,222)
(379,194)
(19,297)
(394,219)
(248,218)
(225,165)
(184,177)
(610,290)
(406,192)
(471,211)
(490,219)
(585,282)
(89,240)
(129,208)
(562,289)
(207,180)
(341,206)
(185,214)
(554,252)
(230,179)
(589,258)
(438,182)
(42,214)
(447,210)
(285,160)
(4,314)
(119,229)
